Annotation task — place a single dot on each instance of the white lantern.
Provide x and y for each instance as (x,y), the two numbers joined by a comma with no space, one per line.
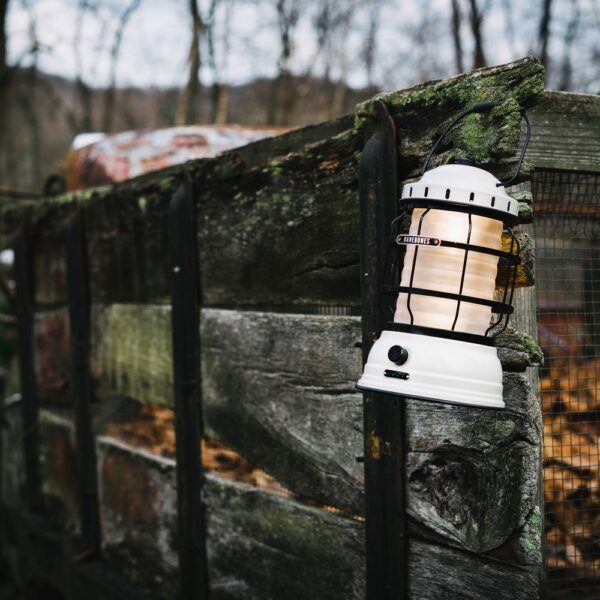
(438,346)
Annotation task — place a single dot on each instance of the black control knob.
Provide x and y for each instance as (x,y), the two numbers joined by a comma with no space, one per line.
(398,355)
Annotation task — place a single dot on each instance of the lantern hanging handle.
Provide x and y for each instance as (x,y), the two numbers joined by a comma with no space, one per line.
(523,149)
(481,108)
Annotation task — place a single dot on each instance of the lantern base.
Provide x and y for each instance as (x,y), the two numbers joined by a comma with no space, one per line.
(439,369)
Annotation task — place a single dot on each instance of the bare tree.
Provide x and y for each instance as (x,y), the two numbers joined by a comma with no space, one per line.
(456,38)
(282,92)
(369,50)
(332,22)
(476,18)
(220,89)
(187,107)
(84,91)
(544,31)
(27,102)
(323,24)
(115,51)
(566,71)
(4,76)
(340,30)
(3,59)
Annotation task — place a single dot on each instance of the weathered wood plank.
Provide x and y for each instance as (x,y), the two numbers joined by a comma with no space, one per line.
(486,139)
(470,471)
(566,132)
(48,267)
(525,274)
(439,572)
(309,553)
(132,352)
(264,546)
(251,400)
(13,459)
(53,357)
(138,515)
(305,247)
(279,389)
(43,553)
(58,471)
(141,276)
(127,244)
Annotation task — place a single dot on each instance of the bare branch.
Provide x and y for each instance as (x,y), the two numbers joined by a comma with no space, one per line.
(187,109)
(476,18)
(544,31)
(115,51)
(282,92)
(369,50)
(456,23)
(3,11)
(566,72)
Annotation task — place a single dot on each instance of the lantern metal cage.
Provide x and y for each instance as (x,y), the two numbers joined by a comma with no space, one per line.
(510,260)
(454,361)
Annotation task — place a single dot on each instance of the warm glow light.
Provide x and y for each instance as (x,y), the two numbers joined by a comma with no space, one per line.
(440,348)
(440,269)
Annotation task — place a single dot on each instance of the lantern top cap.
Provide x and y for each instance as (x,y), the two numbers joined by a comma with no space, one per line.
(463,184)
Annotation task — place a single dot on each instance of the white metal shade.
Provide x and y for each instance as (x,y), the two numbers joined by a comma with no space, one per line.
(438,369)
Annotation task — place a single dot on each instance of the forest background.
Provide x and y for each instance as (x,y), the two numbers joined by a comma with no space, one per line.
(74,66)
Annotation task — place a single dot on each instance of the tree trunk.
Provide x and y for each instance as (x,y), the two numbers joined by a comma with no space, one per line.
(4,75)
(479,59)
(86,122)
(109,97)
(458,52)
(220,103)
(282,92)
(27,105)
(339,98)
(544,32)
(566,71)
(370,44)
(3,11)
(187,108)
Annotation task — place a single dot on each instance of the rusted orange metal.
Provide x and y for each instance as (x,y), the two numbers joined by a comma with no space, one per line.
(125,155)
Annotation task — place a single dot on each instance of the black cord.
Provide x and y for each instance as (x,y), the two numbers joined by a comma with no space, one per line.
(484,107)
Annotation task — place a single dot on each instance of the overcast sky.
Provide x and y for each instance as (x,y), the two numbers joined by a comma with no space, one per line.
(156,41)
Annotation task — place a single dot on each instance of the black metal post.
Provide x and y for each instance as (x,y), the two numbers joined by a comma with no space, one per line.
(384,414)
(25,316)
(81,381)
(185,286)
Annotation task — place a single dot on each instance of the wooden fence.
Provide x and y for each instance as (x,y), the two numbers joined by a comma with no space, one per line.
(279,511)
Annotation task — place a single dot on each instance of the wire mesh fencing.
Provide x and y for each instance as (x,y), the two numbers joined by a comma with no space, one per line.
(567,232)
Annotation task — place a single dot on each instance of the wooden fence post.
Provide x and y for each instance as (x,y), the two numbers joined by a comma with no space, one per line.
(185,287)
(384,417)
(81,381)
(25,314)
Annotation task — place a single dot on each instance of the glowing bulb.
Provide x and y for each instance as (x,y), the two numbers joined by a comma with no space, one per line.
(441,268)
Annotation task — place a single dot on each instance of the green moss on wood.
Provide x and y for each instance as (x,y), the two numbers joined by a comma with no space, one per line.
(532,348)
(530,541)
(484,139)
(523,196)
(132,353)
